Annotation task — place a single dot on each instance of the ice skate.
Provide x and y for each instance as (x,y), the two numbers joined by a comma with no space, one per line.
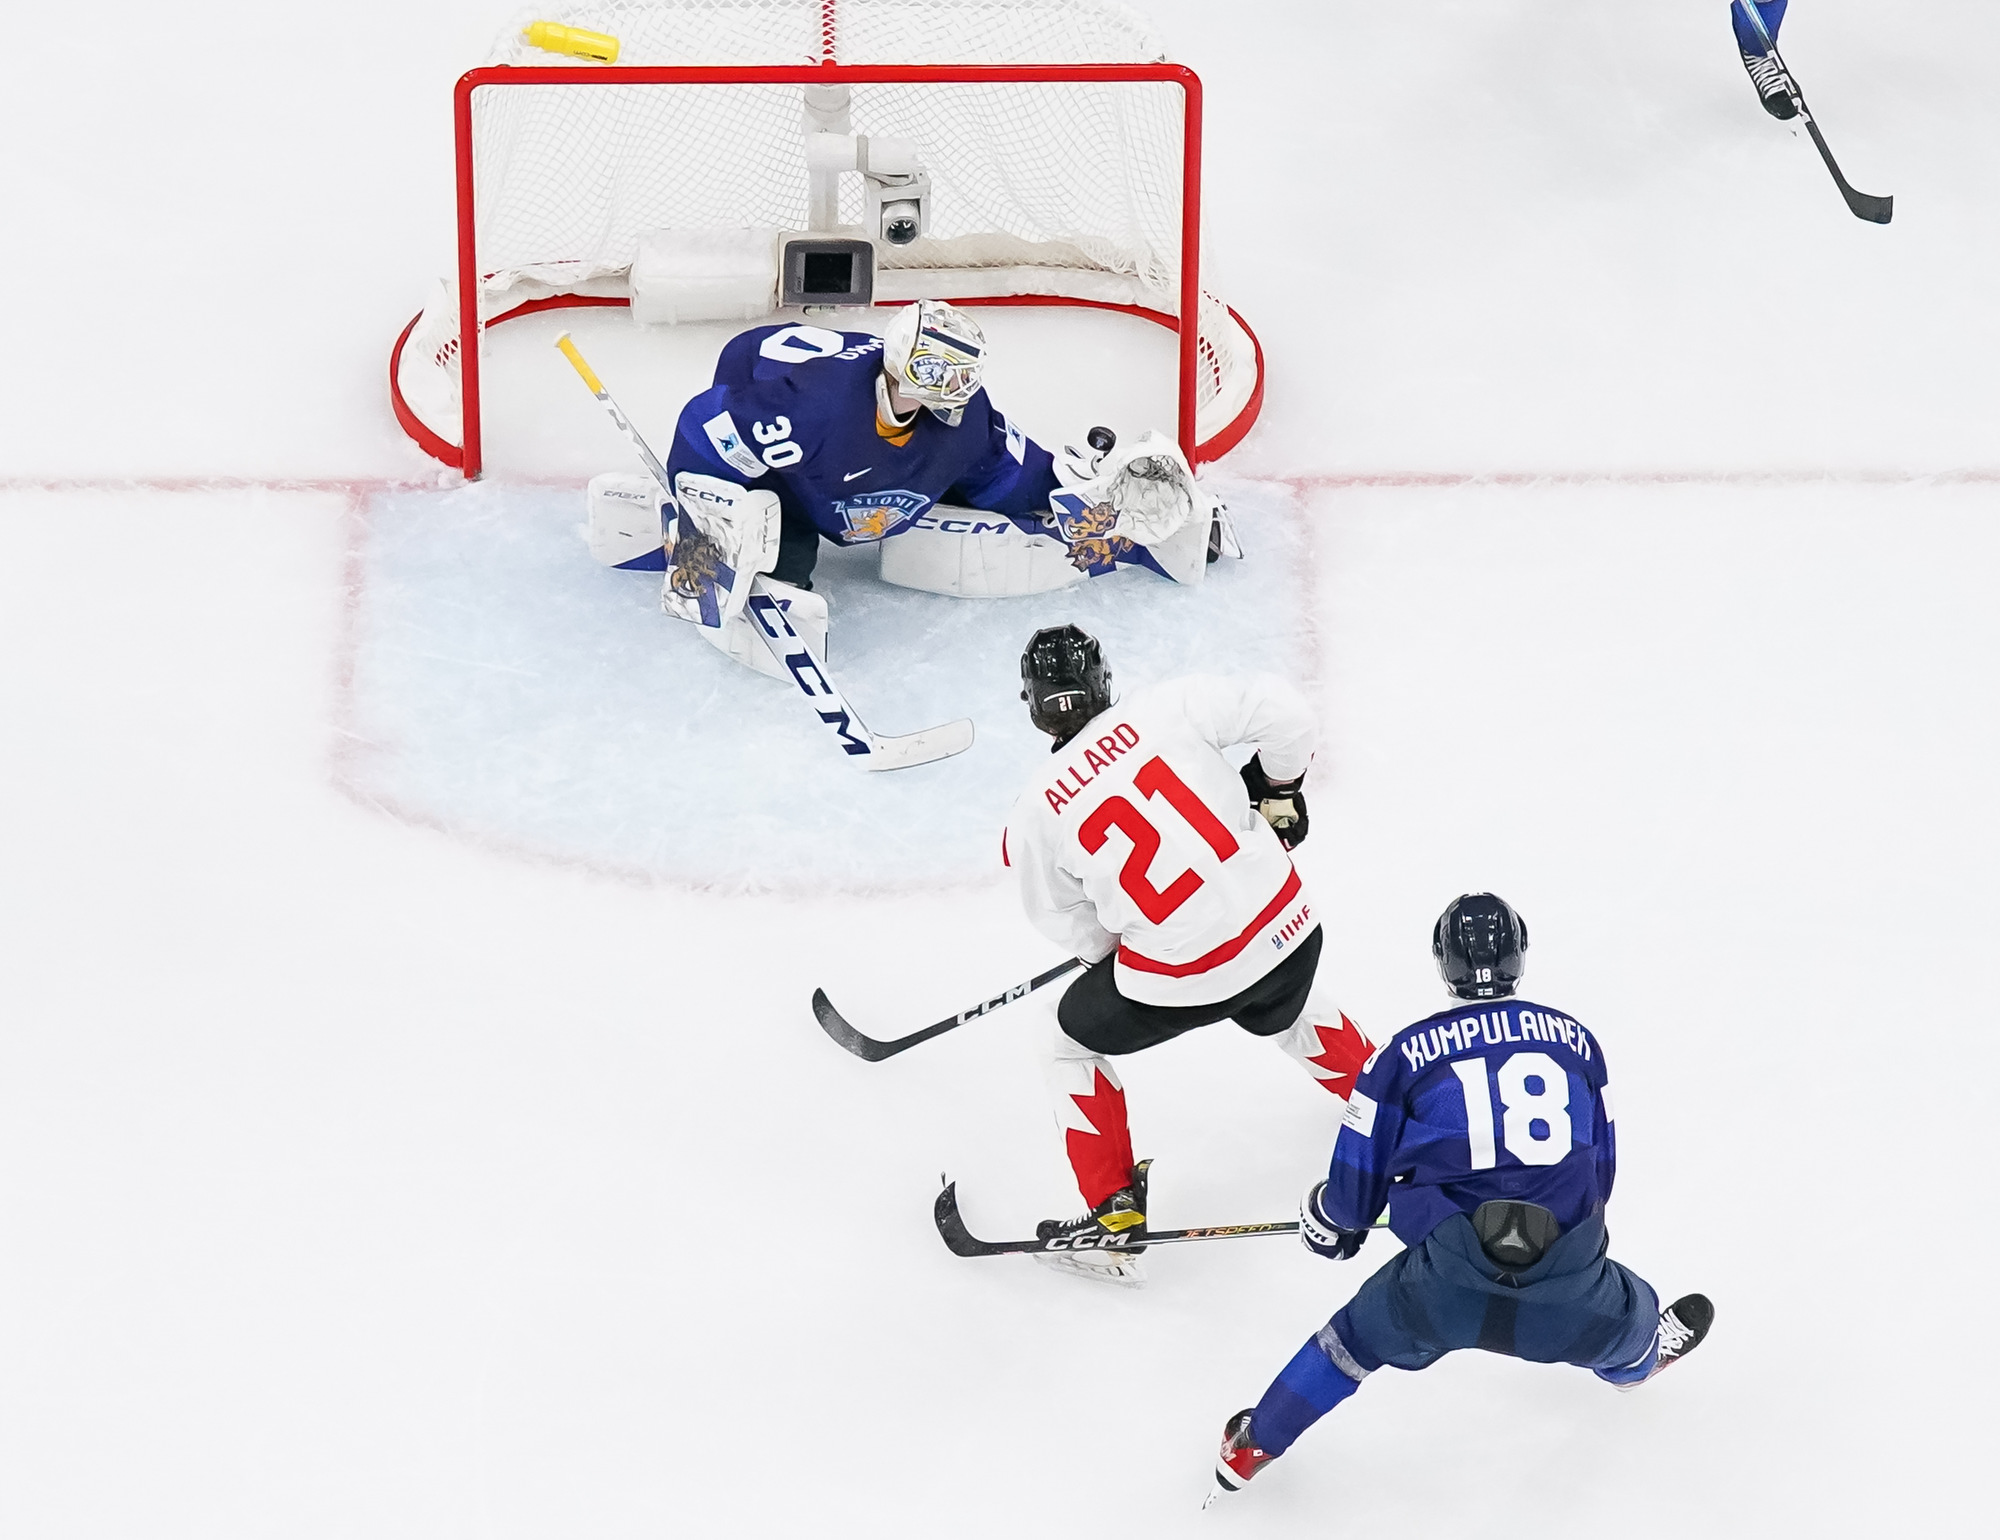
(1239,1459)
(1683,1325)
(1774,86)
(1106,1242)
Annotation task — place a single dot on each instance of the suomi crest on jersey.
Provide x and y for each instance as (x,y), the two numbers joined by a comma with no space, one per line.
(872,515)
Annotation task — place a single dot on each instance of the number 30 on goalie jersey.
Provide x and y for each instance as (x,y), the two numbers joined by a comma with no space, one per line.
(1139,838)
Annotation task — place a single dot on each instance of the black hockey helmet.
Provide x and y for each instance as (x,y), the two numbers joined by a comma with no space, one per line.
(1479,944)
(1064,680)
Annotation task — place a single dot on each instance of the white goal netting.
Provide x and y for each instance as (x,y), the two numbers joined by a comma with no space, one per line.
(1066,189)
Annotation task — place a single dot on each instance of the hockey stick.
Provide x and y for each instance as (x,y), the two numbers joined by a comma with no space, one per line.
(951,1225)
(1862,205)
(862,1046)
(804,667)
(815,680)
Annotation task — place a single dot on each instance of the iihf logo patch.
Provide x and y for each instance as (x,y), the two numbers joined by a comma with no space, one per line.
(728,443)
(872,515)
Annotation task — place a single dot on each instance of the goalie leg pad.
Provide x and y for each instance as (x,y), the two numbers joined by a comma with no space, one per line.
(974,555)
(739,639)
(625,522)
(724,536)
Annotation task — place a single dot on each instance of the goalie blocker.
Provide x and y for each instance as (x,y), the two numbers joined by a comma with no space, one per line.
(631,525)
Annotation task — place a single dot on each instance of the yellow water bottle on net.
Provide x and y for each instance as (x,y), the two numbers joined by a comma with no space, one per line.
(554,37)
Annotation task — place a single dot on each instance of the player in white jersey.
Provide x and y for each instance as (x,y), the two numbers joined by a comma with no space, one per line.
(1137,848)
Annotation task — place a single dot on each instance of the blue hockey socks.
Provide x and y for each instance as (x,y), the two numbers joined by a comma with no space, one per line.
(1772,13)
(1306,1389)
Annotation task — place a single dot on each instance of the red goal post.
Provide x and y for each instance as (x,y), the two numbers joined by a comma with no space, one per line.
(1214,371)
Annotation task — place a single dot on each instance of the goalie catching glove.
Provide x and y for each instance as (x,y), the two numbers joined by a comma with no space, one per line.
(1140,505)
(1282,803)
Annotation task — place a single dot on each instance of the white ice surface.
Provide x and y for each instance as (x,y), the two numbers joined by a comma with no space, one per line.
(363,1172)
(505,686)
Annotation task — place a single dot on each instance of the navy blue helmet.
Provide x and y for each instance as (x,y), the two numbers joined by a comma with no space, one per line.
(1479,944)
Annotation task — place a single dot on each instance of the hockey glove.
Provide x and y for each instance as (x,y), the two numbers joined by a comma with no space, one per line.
(1324,1238)
(1283,803)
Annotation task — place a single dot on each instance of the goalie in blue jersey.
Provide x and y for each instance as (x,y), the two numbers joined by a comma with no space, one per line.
(811,435)
(1487,1131)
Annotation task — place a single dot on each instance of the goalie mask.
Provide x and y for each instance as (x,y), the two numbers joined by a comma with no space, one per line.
(935,353)
(1064,681)
(1480,945)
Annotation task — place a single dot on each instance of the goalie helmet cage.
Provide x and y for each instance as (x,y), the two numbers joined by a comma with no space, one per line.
(1063,151)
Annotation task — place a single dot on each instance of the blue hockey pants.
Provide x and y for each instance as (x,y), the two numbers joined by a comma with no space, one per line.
(1575,1306)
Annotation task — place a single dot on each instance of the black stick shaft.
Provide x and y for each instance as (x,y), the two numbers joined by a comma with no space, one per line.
(874,1049)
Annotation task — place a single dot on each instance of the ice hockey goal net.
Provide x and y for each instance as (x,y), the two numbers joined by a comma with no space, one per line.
(1063,153)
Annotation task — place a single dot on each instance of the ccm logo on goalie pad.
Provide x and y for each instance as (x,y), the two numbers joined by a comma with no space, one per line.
(964,526)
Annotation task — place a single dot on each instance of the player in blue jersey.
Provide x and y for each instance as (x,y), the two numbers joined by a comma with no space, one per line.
(1487,1131)
(809,434)
(1774,87)
(859,435)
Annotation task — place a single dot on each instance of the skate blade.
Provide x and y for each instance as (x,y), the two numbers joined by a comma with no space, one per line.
(1125,1271)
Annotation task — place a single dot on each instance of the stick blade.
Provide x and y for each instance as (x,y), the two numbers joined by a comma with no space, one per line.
(921,748)
(1867,206)
(842,1032)
(951,1225)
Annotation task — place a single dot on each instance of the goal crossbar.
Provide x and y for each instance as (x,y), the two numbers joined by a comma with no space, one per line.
(1187,324)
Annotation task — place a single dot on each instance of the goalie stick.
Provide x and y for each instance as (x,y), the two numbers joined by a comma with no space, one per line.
(805,668)
(1876,210)
(951,1225)
(862,1046)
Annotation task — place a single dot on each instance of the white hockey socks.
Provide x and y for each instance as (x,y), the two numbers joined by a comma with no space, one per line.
(1089,1103)
(1333,1053)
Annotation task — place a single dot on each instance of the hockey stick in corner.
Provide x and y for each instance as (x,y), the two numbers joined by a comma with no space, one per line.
(874,1049)
(1876,210)
(804,667)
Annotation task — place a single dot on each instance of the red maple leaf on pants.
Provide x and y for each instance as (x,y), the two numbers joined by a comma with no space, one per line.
(1102,1161)
(1342,1052)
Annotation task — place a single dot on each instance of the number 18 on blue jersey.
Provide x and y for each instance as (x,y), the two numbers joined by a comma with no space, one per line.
(1491,1099)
